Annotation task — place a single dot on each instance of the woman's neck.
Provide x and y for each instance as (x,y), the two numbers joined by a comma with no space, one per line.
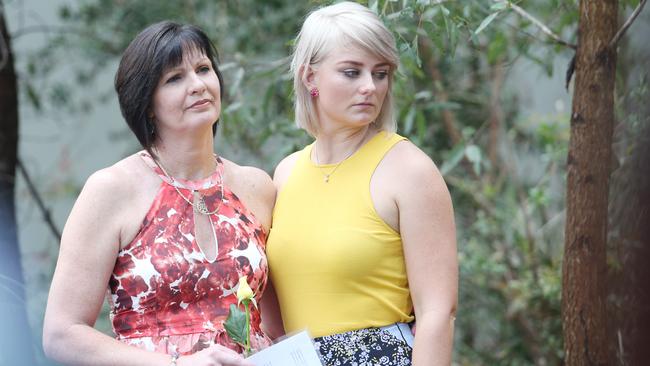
(190,159)
(334,146)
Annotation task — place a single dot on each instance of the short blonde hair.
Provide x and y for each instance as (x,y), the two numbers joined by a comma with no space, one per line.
(342,24)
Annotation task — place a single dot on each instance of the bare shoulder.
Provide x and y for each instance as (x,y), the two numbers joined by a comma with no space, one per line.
(118,180)
(107,182)
(248,178)
(104,204)
(418,174)
(283,169)
(411,160)
(254,187)
(120,192)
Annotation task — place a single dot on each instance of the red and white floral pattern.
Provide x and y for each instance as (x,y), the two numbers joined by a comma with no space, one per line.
(165,295)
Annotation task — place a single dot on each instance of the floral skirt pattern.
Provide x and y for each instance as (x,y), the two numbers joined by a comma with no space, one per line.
(365,347)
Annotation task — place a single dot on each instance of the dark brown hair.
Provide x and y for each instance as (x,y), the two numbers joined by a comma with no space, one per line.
(157,48)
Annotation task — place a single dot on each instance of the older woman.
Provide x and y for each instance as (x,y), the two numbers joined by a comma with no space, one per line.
(167,231)
(363,237)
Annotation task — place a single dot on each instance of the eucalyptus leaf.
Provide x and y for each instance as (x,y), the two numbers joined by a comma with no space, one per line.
(501,5)
(454,159)
(423,94)
(486,22)
(33,96)
(409,119)
(421,124)
(473,154)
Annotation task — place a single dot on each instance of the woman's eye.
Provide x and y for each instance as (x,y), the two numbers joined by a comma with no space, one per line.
(173,78)
(204,69)
(380,75)
(351,73)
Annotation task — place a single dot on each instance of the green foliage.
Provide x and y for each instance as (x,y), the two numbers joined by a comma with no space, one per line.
(507,190)
(252,39)
(505,171)
(454,56)
(236,325)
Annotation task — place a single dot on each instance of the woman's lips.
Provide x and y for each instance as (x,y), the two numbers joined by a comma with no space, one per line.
(200,103)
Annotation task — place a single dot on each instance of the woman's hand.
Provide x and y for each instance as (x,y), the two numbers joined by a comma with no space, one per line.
(215,355)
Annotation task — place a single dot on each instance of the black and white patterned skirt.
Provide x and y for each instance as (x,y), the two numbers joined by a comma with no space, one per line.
(390,345)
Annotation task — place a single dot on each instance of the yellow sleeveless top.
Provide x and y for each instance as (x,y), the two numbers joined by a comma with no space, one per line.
(335,264)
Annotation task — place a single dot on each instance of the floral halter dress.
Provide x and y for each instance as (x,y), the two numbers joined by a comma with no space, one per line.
(165,294)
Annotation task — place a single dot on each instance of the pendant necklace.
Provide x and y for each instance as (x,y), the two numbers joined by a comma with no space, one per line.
(198,205)
(326,176)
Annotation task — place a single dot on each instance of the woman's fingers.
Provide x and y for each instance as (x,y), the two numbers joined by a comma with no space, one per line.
(224,350)
(227,357)
(215,355)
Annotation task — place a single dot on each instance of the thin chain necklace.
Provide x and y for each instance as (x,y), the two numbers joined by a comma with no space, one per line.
(199,205)
(326,176)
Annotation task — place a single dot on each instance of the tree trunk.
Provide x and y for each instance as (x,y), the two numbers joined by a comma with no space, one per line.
(584,271)
(15,340)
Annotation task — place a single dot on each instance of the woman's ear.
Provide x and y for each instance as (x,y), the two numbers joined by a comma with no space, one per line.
(308,76)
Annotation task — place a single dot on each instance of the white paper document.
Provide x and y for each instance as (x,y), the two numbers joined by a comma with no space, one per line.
(297,350)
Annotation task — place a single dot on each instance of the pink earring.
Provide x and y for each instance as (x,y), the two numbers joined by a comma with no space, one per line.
(314,92)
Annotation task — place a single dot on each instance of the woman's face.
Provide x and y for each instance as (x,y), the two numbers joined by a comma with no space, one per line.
(188,95)
(352,85)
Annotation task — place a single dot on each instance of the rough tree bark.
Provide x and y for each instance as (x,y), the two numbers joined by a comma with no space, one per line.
(15,340)
(584,271)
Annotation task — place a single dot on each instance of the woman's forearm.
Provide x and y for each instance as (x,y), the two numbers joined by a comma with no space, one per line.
(80,344)
(434,340)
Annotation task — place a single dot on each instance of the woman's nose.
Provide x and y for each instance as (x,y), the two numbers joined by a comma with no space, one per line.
(368,84)
(197,85)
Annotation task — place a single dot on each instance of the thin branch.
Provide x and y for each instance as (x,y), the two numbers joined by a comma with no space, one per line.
(541,25)
(525,33)
(39,201)
(627,24)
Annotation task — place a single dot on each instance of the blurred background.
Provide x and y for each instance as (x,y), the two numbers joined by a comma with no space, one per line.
(481,89)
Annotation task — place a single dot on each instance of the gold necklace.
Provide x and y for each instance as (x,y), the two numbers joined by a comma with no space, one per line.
(200,205)
(326,176)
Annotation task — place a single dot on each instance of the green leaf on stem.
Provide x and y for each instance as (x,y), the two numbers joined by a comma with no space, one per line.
(501,5)
(486,22)
(235,325)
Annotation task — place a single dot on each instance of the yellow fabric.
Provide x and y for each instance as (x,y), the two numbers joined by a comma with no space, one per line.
(335,264)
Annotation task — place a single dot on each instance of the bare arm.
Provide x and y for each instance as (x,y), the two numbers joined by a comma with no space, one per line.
(283,170)
(89,247)
(256,189)
(428,234)
(271,317)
